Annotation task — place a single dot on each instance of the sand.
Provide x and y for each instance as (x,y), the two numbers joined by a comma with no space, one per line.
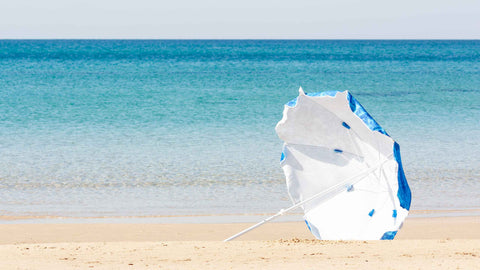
(423,243)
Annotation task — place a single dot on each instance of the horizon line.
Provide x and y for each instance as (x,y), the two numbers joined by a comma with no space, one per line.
(246,39)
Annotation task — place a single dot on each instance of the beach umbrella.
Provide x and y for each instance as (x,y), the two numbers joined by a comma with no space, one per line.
(342,168)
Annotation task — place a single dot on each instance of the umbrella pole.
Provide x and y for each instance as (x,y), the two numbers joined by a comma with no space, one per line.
(255,226)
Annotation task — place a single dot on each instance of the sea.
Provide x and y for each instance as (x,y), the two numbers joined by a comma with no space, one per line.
(168,128)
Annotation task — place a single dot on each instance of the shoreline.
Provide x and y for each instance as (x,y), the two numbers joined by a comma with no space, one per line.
(206,218)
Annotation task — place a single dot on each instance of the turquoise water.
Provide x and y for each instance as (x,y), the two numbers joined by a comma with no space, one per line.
(132,128)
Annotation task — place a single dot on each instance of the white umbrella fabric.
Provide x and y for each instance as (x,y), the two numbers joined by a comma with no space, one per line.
(342,168)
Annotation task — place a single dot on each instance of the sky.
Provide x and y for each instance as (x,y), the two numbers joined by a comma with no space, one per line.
(245,19)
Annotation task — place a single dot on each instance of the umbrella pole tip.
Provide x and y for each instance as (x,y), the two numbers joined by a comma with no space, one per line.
(300,91)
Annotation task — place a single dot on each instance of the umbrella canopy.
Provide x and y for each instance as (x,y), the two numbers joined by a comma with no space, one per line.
(336,153)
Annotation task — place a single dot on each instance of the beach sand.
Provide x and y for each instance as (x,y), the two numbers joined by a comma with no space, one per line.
(423,243)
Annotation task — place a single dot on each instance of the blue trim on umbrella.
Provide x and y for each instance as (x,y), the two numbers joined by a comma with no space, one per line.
(389,235)
(404,194)
(308,225)
(313,230)
(292,103)
(358,109)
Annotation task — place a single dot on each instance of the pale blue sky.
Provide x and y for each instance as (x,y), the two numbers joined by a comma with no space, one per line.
(378,19)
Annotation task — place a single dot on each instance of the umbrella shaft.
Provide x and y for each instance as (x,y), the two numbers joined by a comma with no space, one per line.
(254,226)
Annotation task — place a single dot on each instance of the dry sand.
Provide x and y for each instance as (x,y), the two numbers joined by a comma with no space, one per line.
(423,243)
